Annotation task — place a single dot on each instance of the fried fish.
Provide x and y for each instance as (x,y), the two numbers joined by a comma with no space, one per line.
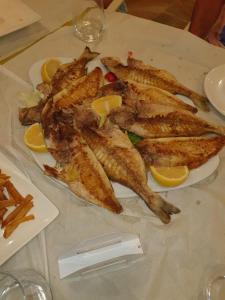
(84,174)
(151,76)
(153,95)
(85,87)
(183,151)
(162,121)
(123,163)
(67,74)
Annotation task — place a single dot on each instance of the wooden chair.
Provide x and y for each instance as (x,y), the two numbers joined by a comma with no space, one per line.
(114,5)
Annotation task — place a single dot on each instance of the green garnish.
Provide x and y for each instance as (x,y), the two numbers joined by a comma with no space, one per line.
(133,137)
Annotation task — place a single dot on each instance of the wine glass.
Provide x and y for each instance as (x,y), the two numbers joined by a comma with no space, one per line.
(89,20)
(23,285)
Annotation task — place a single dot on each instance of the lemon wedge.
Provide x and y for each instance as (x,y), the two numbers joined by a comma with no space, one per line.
(34,139)
(103,106)
(170,176)
(49,69)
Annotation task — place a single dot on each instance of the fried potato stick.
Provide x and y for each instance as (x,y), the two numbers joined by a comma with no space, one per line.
(15,223)
(3,178)
(24,206)
(7,203)
(2,213)
(12,191)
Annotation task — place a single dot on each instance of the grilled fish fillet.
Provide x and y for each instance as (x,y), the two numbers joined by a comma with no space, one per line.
(123,164)
(85,176)
(161,121)
(151,76)
(85,87)
(183,151)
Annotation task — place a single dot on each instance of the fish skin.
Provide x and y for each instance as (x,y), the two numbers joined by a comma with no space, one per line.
(85,176)
(152,76)
(161,121)
(183,151)
(85,87)
(122,163)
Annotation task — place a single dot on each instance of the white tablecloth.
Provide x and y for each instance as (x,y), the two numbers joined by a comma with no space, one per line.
(178,255)
(54,13)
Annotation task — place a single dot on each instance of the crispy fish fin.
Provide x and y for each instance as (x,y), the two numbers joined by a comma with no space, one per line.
(88,54)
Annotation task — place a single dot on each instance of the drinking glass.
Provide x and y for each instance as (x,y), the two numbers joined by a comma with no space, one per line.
(212,283)
(23,285)
(89,20)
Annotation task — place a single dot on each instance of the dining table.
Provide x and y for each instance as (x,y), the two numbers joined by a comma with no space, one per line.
(177,257)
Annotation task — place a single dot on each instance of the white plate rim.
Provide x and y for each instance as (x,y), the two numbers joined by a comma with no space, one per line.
(207,87)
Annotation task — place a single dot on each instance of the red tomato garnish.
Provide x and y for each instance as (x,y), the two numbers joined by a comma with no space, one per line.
(110,76)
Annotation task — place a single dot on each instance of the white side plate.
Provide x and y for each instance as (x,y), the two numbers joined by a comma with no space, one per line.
(43,210)
(214,86)
(14,15)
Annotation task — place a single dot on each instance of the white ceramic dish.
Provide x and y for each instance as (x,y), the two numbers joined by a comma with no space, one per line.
(15,15)
(43,210)
(214,86)
(121,191)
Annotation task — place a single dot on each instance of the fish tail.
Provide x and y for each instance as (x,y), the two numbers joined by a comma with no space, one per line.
(200,101)
(160,207)
(88,54)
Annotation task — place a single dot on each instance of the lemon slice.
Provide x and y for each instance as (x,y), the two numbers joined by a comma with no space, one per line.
(34,139)
(170,176)
(49,69)
(103,106)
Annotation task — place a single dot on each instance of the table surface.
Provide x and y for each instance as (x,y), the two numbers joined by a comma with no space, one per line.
(51,20)
(176,256)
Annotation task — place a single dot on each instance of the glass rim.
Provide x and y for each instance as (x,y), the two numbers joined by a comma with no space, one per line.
(14,277)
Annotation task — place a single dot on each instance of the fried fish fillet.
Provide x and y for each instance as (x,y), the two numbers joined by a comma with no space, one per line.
(67,74)
(123,164)
(183,151)
(84,174)
(85,87)
(162,121)
(153,95)
(152,76)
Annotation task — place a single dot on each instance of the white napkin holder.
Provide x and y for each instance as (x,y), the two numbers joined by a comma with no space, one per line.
(103,252)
